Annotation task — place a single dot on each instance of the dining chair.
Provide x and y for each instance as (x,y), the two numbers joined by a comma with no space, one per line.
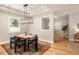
(33,42)
(12,42)
(17,43)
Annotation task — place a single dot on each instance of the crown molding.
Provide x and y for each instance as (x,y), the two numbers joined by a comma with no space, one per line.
(10,10)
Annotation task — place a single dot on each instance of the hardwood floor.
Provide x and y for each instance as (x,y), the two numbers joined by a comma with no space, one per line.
(63,47)
(2,51)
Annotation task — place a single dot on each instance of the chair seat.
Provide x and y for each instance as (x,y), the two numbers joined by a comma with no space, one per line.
(19,43)
(33,42)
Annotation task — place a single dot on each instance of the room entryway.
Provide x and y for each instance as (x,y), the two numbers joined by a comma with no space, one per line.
(61,28)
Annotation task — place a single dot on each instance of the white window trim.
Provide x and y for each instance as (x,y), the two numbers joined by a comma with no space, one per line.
(14,17)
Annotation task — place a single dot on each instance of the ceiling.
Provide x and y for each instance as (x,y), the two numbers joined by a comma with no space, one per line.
(38,8)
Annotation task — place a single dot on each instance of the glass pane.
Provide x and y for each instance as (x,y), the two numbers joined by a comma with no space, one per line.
(14,25)
(45,23)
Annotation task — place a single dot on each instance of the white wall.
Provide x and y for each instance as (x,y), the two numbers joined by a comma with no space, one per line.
(36,28)
(4,35)
(4,26)
(73,20)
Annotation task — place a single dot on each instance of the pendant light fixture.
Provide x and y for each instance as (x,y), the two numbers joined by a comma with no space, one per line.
(25,13)
(27,19)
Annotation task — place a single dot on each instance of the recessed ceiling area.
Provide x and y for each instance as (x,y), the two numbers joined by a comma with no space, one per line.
(58,9)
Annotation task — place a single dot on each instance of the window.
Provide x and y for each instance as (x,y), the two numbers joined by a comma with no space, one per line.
(14,25)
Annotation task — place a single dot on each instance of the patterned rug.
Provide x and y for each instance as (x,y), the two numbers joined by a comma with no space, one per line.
(42,47)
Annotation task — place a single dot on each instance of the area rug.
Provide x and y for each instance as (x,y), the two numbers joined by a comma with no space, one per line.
(42,47)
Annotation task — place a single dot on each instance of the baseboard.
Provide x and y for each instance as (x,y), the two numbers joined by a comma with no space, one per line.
(4,42)
(39,39)
(46,41)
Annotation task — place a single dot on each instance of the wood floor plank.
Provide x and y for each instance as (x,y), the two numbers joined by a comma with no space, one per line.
(61,48)
(2,51)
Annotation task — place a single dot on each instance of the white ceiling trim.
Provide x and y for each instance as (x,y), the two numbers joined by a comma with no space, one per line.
(34,9)
(10,10)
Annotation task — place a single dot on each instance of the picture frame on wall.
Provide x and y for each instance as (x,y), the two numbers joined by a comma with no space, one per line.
(45,23)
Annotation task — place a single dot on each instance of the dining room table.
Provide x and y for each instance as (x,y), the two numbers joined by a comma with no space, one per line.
(25,37)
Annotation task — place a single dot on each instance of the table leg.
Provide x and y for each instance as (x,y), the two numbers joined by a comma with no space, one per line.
(25,46)
(36,46)
(28,45)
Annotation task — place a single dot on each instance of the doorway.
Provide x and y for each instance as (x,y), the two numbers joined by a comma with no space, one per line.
(61,28)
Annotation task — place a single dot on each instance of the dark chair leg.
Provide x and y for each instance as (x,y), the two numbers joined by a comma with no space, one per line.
(25,46)
(36,46)
(28,46)
(10,45)
(19,46)
(15,48)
